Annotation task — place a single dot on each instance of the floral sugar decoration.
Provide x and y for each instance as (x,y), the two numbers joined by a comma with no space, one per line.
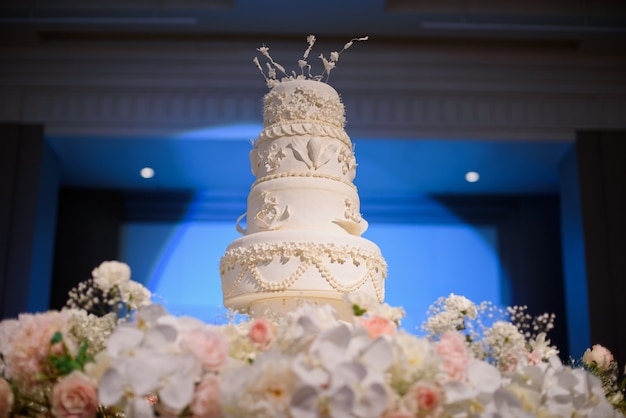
(275,70)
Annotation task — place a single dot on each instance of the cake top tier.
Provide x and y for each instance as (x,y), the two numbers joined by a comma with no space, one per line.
(303,101)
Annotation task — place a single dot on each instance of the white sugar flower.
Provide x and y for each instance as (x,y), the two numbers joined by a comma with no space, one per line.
(110,274)
(272,66)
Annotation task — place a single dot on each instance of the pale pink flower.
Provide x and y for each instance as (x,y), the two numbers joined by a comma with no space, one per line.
(262,333)
(6,398)
(75,396)
(206,399)
(534,358)
(30,345)
(424,400)
(599,356)
(377,326)
(209,347)
(452,348)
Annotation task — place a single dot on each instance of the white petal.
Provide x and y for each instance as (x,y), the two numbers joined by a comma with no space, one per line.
(110,390)
(378,355)
(160,336)
(484,376)
(143,375)
(458,391)
(150,314)
(304,402)
(124,338)
(347,374)
(178,393)
(314,376)
(373,401)
(342,402)
(139,408)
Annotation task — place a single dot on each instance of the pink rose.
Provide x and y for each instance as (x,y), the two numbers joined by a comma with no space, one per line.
(206,399)
(6,399)
(452,348)
(261,333)
(75,396)
(377,326)
(209,347)
(598,356)
(423,400)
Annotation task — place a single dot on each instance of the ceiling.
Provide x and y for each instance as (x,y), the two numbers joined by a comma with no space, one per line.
(425,165)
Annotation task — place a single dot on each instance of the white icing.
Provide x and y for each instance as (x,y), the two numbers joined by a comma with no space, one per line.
(265,263)
(303,231)
(303,154)
(307,101)
(302,204)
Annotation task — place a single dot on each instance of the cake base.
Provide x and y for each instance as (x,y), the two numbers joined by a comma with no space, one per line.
(281,303)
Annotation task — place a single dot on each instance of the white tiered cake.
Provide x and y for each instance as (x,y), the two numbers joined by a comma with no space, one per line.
(302,239)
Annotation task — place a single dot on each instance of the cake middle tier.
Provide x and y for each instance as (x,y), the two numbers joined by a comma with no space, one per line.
(304,203)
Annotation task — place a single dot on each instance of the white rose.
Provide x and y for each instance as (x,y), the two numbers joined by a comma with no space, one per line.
(110,274)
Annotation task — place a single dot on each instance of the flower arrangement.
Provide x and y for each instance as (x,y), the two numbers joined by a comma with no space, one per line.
(273,68)
(137,360)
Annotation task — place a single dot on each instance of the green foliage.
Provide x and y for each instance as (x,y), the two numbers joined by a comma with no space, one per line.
(358,311)
(63,363)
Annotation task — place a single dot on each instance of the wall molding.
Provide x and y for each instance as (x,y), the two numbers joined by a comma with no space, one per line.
(399,92)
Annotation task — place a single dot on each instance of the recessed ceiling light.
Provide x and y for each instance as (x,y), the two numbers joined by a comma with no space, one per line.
(472,177)
(147,172)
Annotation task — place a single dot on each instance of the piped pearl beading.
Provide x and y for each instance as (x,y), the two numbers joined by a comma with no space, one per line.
(309,255)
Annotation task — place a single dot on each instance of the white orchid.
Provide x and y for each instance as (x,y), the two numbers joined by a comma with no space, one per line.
(146,359)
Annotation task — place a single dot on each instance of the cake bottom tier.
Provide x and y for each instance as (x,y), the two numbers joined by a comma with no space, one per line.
(278,270)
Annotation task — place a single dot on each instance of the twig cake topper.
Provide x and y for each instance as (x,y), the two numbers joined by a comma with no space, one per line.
(273,68)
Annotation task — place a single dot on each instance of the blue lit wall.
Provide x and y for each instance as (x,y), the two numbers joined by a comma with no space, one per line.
(179,262)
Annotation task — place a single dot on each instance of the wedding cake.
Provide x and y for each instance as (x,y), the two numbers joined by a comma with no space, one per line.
(302,236)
